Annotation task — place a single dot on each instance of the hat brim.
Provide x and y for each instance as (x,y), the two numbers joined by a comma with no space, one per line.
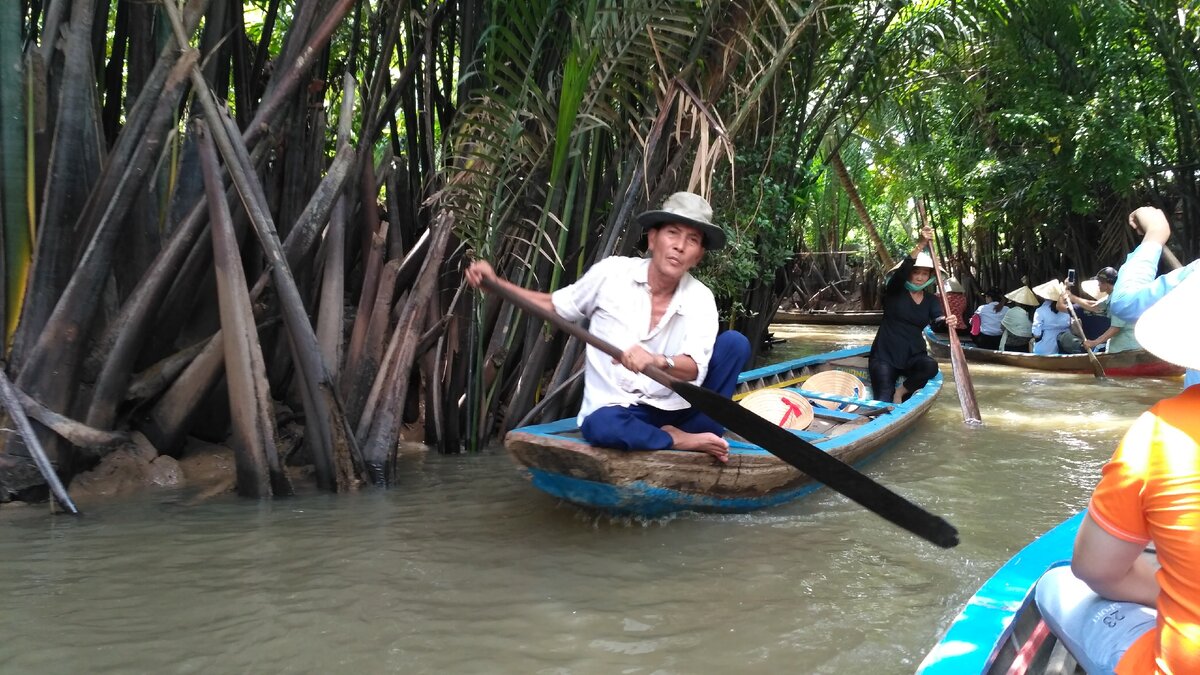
(714,237)
(1023,296)
(1092,288)
(895,267)
(1051,290)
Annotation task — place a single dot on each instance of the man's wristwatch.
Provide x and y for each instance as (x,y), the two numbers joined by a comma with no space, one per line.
(670,362)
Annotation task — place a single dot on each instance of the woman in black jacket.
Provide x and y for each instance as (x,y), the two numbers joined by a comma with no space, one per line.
(908,306)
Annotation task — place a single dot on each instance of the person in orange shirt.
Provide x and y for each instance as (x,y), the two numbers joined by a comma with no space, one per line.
(1122,607)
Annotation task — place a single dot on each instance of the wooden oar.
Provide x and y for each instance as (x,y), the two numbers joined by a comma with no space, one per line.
(1166,255)
(958,361)
(776,440)
(1172,261)
(1077,329)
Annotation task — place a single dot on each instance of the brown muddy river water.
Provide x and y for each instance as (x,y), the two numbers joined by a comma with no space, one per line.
(465,568)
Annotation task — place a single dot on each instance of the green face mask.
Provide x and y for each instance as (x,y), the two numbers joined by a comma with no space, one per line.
(915,287)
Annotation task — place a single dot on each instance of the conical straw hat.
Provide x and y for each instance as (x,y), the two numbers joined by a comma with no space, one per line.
(1023,296)
(838,383)
(1051,290)
(1092,288)
(952,286)
(1169,328)
(922,260)
(780,406)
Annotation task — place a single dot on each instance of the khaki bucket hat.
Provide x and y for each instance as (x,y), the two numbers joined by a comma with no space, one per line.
(686,208)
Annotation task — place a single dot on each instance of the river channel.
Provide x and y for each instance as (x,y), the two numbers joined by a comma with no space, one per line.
(465,568)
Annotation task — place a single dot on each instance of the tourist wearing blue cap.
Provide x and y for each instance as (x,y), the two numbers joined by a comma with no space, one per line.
(1118,337)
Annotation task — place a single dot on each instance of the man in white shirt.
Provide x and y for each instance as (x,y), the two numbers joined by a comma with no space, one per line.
(659,315)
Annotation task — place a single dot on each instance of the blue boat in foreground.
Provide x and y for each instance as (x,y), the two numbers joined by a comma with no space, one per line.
(1000,629)
(651,484)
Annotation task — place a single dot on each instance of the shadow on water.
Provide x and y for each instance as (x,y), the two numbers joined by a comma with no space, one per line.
(465,568)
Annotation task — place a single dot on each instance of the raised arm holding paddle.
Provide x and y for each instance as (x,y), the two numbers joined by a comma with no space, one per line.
(1139,285)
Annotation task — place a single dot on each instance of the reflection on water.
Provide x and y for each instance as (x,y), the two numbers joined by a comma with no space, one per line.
(464,568)
(804,340)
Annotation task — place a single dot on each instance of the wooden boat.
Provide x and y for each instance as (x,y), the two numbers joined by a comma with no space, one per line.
(1132,363)
(1000,629)
(655,483)
(853,318)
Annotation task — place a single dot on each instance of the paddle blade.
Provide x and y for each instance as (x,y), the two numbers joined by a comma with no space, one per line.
(963,384)
(820,466)
(1077,329)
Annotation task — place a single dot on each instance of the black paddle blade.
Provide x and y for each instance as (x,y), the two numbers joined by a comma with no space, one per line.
(820,466)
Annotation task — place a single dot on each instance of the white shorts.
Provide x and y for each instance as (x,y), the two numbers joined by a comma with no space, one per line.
(1096,630)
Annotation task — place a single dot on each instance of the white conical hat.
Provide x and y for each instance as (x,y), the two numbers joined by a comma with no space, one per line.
(1169,328)
(1092,288)
(923,260)
(784,407)
(1051,290)
(1023,296)
(952,286)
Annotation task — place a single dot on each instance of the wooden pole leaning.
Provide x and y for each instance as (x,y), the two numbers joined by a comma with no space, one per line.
(958,361)
(1077,329)
(8,397)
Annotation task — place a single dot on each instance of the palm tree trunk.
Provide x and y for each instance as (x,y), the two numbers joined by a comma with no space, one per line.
(835,160)
(259,471)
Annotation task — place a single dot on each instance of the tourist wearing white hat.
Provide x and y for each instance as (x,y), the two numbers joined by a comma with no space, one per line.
(1117,607)
(1018,321)
(1139,286)
(1048,321)
(659,315)
(899,348)
(956,298)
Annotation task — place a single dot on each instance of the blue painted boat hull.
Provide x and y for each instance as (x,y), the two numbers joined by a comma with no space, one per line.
(652,484)
(980,638)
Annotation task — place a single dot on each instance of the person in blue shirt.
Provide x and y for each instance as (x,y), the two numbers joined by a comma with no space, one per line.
(1048,320)
(1139,286)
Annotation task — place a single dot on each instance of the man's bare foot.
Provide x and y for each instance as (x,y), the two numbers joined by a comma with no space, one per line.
(705,442)
(901,392)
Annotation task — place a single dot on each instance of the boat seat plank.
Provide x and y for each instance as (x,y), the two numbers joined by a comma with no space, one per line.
(1062,662)
(850,400)
(832,414)
(809,436)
